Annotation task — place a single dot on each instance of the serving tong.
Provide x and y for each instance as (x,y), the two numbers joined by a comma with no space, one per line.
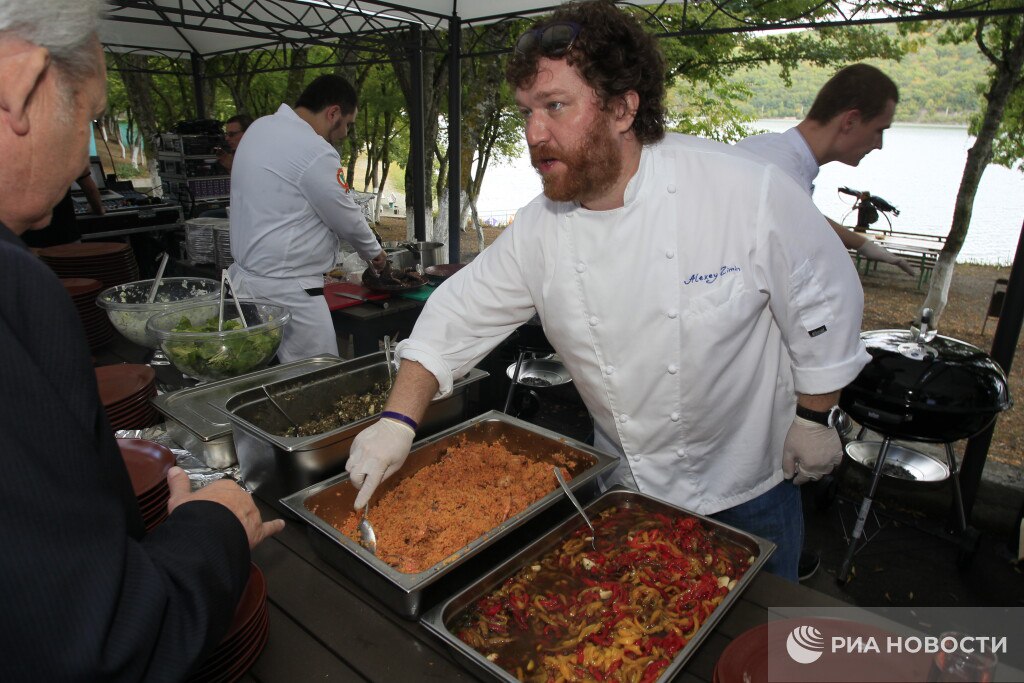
(224,277)
(579,508)
(159,357)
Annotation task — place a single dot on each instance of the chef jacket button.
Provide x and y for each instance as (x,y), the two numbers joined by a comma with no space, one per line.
(672,313)
(674,417)
(635,458)
(580,267)
(571,214)
(673,369)
(609,369)
(593,320)
(680,453)
(623,419)
(670,253)
(671,189)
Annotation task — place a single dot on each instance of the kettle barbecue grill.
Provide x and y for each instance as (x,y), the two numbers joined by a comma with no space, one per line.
(920,386)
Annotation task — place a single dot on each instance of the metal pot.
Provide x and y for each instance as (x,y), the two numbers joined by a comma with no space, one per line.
(428,253)
(400,257)
(925,388)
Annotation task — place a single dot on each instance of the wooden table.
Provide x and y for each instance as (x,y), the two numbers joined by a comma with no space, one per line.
(918,249)
(325,628)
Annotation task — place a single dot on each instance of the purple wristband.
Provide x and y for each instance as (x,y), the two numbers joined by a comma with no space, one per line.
(401,418)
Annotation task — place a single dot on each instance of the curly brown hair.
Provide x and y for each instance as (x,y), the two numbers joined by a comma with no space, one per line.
(613,54)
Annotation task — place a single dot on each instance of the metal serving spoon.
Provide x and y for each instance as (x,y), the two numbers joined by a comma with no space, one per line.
(572,498)
(367,536)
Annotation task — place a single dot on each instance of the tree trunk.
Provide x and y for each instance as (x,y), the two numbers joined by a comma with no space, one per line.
(296,76)
(139,88)
(1007,76)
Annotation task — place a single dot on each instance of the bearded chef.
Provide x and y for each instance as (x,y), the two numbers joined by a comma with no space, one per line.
(290,205)
(690,290)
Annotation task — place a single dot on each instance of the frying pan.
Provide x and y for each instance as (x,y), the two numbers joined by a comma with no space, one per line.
(371,283)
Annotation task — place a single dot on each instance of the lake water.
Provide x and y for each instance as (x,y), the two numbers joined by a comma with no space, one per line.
(918,171)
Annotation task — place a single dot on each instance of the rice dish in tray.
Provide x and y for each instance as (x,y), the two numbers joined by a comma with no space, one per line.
(443,507)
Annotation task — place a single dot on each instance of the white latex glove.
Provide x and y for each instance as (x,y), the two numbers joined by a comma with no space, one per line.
(875,252)
(377,452)
(811,451)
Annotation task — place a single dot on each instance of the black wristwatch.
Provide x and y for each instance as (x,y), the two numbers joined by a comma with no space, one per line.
(823,417)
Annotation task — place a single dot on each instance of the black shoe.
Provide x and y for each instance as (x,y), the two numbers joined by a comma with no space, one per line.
(808,565)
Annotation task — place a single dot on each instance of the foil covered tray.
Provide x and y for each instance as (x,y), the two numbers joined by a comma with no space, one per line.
(196,423)
(408,594)
(442,618)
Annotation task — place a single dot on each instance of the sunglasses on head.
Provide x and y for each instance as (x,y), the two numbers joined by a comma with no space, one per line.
(554,40)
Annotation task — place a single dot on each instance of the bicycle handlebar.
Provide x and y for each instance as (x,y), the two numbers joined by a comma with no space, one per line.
(874,200)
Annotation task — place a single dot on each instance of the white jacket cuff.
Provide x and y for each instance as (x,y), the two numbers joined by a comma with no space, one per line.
(825,380)
(421,353)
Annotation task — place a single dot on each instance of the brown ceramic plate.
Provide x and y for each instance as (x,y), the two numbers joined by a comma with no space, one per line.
(84,250)
(443,271)
(147,463)
(80,286)
(120,382)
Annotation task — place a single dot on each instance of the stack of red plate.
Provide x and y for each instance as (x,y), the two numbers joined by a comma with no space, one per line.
(245,638)
(147,464)
(112,263)
(83,291)
(125,391)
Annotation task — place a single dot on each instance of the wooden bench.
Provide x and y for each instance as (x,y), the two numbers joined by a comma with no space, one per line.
(917,248)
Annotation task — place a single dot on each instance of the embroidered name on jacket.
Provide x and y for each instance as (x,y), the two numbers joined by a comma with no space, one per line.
(709,278)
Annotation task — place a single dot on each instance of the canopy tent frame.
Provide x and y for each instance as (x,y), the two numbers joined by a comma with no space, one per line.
(183,27)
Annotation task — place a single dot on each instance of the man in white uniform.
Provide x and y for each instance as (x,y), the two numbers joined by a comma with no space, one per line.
(289,207)
(846,122)
(690,290)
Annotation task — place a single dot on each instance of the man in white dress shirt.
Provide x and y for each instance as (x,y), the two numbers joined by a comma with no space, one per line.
(689,290)
(289,207)
(846,122)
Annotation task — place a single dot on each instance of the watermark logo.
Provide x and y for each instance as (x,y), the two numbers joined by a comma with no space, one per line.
(805,644)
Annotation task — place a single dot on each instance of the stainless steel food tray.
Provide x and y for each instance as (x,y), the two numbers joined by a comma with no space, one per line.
(197,425)
(438,618)
(408,594)
(276,465)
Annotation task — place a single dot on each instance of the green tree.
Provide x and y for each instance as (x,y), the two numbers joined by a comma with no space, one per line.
(1001,40)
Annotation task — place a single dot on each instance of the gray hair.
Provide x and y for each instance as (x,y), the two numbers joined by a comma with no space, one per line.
(67,28)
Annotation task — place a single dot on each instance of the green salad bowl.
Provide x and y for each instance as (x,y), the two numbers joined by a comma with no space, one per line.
(190,338)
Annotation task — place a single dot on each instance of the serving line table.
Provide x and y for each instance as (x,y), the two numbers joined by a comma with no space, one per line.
(368,323)
(324,627)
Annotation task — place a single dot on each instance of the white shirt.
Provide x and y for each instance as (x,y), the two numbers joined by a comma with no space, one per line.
(289,204)
(789,151)
(688,318)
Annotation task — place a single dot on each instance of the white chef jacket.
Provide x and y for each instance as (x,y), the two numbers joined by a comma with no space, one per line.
(289,207)
(789,151)
(688,318)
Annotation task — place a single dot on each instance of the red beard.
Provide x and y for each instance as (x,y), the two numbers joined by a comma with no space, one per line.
(589,169)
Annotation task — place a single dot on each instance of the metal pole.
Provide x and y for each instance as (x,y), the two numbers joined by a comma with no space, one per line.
(454,136)
(417,139)
(197,84)
(1004,343)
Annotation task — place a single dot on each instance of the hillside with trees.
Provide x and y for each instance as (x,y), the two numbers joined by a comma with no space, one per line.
(939,83)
